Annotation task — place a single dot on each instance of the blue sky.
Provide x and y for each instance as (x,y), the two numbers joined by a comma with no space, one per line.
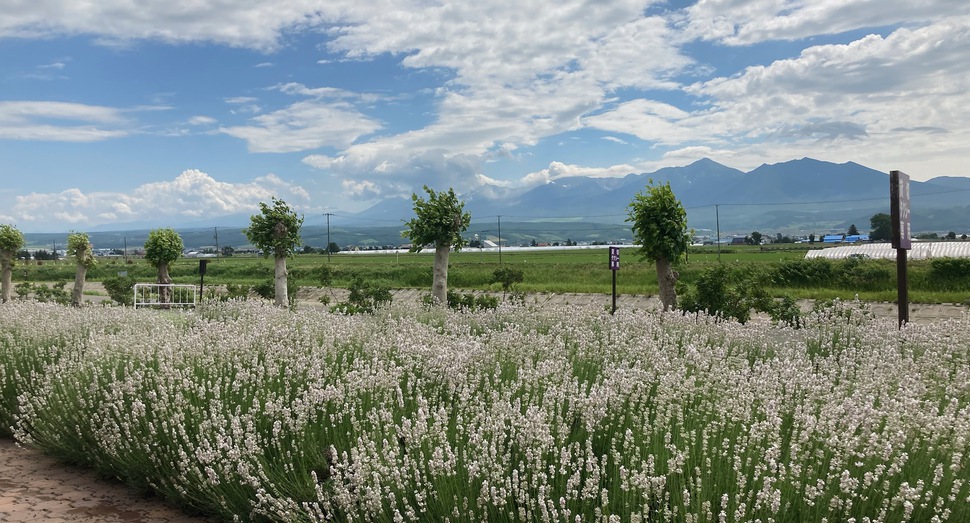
(191,111)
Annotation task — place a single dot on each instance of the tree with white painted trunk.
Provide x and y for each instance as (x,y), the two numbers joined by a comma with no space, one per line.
(163,247)
(438,221)
(79,247)
(276,231)
(660,229)
(11,241)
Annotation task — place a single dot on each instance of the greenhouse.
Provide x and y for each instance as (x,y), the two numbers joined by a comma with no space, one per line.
(919,251)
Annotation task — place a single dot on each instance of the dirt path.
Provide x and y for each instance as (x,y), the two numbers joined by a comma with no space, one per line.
(35,487)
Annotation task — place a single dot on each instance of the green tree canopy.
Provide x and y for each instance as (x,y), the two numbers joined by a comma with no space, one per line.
(881,224)
(659,224)
(275,230)
(11,241)
(660,228)
(853,230)
(79,247)
(163,247)
(438,221)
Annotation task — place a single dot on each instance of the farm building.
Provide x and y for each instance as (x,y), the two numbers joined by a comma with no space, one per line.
(920,251)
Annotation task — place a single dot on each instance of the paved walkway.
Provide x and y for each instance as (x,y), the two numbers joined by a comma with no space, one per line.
(35,487)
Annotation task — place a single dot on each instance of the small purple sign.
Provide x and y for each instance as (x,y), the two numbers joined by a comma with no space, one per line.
(614,258)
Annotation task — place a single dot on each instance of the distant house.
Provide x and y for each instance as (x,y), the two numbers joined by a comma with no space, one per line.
(833,238)
(856,238)
(737,240)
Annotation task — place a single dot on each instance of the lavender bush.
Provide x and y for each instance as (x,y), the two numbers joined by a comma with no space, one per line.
(512,414)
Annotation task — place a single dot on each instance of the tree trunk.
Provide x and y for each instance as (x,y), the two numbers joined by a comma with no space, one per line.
(439,282)
(6,267)
(279,282)
(79,276)
(667,280)
(164,293)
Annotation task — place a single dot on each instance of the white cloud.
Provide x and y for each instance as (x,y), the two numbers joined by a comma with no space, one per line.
(191,194)
(252,24)
(202,120)
(304,126)
(646,119)
(43,121)
(874,101)
(239,100)
(614,139)
(742,22)
(558,170)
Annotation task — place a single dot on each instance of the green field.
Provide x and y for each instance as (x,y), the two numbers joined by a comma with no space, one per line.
(780,270)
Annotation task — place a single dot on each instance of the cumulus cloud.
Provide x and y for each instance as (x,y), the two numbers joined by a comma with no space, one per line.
(191,194)
(884,92)
(743,22)
(256,24)
(512,78)
(558,170)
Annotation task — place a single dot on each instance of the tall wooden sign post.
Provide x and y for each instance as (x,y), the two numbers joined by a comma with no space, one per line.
(614,266)
(901,239)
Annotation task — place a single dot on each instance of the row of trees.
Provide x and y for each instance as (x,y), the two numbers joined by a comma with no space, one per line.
(12,241)
(659,226)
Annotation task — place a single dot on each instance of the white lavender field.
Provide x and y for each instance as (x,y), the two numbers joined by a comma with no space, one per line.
(259,414)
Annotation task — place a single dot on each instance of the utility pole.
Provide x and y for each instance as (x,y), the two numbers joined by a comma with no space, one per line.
(717,220)
(328,215)
(217,241)
(500,239)
(126,250)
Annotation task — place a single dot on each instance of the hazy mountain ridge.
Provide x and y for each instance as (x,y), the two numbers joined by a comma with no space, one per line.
(794,197)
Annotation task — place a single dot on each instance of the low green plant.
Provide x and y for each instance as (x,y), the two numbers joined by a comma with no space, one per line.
(237,291)
(508,276)
(467,301)
(55,293)
(120,289)
(364,298)
(724,293)
(23,289)
(267,290)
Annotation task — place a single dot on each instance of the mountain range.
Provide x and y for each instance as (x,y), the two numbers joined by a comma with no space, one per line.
(798,197)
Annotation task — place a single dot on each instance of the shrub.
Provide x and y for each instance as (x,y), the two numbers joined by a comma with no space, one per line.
(365,297)
(508,277)
(237,291)
(724,294)
(267,290)
(53,294)
(862,274)
(120,289)
(802,273)
(468,301)
(951,273)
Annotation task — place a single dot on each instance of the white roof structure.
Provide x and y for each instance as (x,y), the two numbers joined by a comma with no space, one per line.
(920,251)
